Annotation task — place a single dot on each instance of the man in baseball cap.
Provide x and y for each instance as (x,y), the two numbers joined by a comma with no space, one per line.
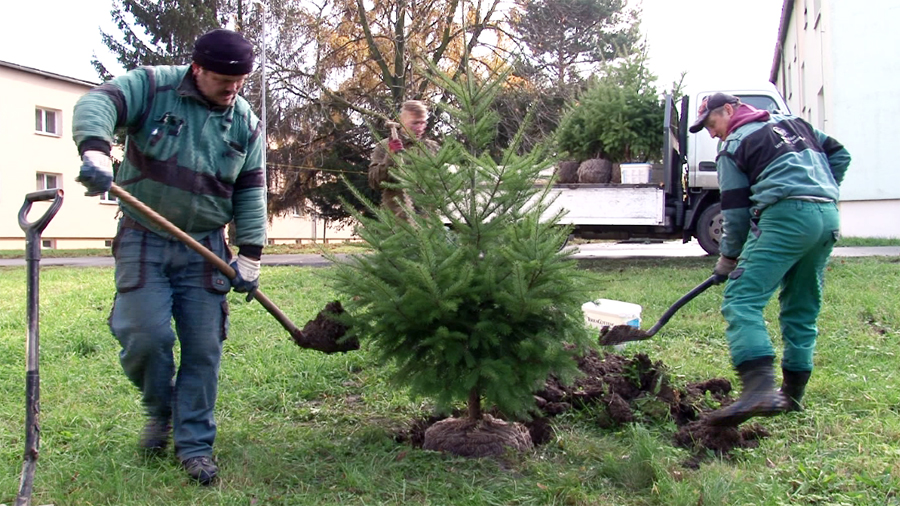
(193,155)
(711,103)
(779,178)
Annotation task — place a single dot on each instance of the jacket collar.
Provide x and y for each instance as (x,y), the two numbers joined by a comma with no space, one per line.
(746,114)
(188,88)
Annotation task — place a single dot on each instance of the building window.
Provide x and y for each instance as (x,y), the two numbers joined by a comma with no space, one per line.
(48,243)
(108,243)
(47,181)
(787,80)
(802,88)
(108,198)
(46,121)
(820,99)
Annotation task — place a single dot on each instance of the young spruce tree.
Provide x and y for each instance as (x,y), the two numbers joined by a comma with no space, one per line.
(470,297)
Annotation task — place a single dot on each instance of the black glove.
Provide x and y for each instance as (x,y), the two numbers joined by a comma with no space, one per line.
(246,275)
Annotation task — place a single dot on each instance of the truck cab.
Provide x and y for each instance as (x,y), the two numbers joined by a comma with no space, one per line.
(704,220)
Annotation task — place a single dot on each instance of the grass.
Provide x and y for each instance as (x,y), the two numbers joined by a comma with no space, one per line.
(275,249)
(867,241)
(298,427)
(354,247)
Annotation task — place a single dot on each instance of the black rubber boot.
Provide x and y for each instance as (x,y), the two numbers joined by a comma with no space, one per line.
(758,397)
(793,385)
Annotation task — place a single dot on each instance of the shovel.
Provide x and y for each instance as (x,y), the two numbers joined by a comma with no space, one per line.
(324,342)
(32,376)
(619,334)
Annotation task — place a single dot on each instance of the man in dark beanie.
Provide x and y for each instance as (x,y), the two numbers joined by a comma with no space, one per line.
(194,155)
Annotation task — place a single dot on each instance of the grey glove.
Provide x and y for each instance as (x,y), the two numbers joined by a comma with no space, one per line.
(96,173)
(246,279)
(724,266)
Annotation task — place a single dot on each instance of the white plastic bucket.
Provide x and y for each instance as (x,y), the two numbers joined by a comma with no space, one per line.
(606,312)
(635,173)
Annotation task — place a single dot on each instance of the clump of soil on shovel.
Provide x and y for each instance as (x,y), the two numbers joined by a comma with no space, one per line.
(632,389)
(324,333)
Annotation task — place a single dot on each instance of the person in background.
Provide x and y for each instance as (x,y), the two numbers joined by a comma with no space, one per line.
(413,121)
(194,155)
(779,178)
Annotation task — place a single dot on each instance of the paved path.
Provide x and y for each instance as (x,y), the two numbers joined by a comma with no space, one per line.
(668,249)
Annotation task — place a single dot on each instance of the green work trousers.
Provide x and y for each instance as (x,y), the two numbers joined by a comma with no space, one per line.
(788,246)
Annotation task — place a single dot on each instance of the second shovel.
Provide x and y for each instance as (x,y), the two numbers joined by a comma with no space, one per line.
(619,334)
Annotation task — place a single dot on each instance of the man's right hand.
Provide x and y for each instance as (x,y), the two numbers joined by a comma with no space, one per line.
(96,172)
(395,145)
(246,275)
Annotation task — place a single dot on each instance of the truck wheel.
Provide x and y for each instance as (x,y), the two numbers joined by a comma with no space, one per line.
(709,228)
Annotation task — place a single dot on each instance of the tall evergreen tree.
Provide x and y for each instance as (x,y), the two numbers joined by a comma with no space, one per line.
(160,32)
(566,38)
(481,312)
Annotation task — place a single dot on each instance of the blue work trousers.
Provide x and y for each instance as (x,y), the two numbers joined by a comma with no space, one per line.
(157,281)
(788,247)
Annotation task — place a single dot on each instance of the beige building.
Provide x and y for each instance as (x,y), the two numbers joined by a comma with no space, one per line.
(834,68)
(36,108)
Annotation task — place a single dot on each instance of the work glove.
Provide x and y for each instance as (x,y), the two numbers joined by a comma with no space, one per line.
(395,145)
(246,275)
(724,266)
(96,173)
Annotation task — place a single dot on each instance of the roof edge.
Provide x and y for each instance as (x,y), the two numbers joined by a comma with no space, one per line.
(44,73)
(787,10)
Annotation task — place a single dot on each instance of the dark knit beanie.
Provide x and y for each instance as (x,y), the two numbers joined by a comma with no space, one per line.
(224,52)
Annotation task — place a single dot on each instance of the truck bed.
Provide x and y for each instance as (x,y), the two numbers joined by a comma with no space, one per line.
(610,204)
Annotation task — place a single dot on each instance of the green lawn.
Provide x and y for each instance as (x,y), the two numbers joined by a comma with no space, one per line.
(276,249)
(298,427)
(867,241)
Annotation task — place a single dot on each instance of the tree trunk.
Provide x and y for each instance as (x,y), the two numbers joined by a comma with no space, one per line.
(474,405)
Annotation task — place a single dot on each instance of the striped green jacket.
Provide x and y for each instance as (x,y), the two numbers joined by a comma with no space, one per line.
(765,161)
(196,164)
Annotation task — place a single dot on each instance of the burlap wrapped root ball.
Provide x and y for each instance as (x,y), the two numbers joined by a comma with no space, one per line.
(595,171)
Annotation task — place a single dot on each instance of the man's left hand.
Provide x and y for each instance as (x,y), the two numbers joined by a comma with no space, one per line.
(246,275)
(725,265)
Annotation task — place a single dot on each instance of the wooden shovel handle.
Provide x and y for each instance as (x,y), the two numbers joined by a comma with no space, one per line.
(211,257)
(394,126)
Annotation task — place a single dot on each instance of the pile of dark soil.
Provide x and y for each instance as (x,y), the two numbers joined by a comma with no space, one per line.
(633,389)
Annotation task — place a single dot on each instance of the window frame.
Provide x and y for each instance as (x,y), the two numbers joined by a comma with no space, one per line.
(108,198)
(57,120)
(41,180)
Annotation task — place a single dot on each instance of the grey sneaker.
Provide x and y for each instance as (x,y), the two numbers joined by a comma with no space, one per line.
(202,469)
(155,436)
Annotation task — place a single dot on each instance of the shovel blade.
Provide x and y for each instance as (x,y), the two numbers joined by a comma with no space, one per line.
(618,334)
